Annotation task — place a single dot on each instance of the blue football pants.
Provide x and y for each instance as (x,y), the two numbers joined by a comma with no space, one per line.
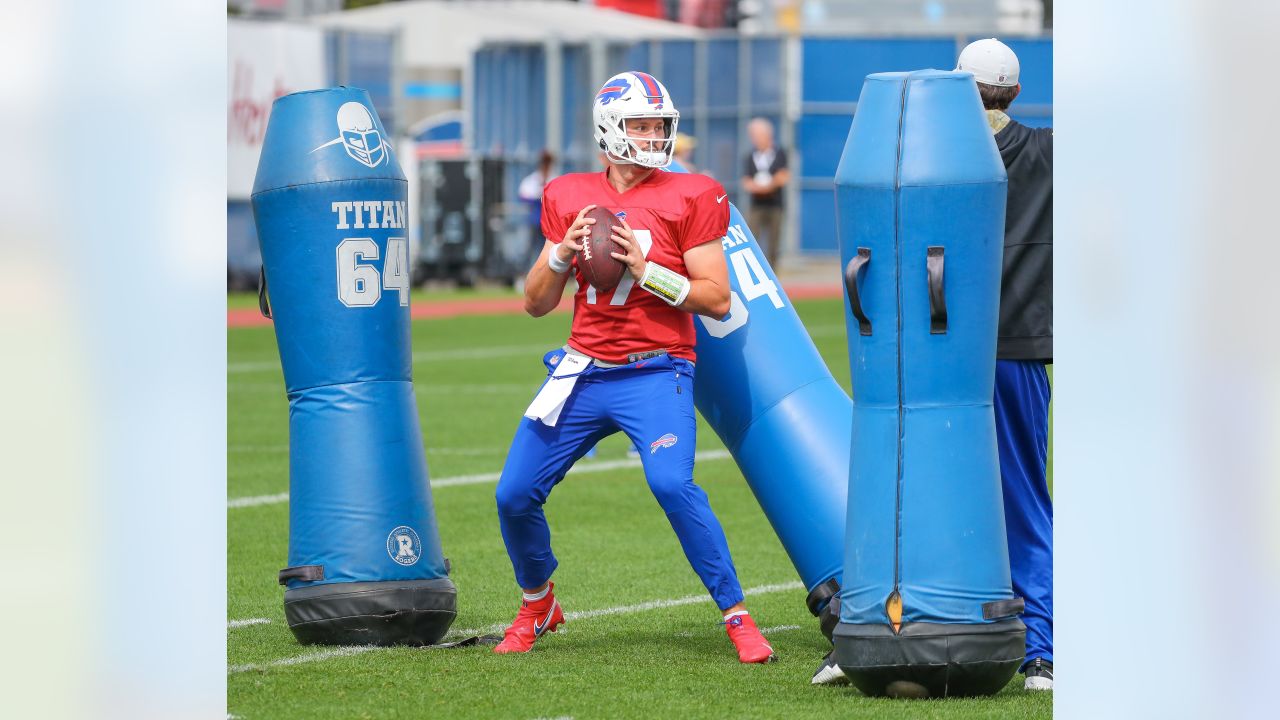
(652,402)
(1022,436)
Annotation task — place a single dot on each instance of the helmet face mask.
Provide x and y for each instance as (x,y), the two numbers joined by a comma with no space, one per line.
(629,96)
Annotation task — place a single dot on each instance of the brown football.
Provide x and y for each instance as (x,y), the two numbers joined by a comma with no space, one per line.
(602,270)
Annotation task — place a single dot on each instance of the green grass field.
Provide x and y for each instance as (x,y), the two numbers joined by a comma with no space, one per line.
(615,549)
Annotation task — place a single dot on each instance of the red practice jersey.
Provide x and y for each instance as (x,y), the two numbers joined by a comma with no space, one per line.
(669,213)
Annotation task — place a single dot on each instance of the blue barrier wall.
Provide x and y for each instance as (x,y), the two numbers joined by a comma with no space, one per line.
(522,94)
(534,96)
(833,70)
(364,60)
(531,96)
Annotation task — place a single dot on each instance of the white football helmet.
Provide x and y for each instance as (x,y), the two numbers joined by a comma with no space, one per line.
(634,95)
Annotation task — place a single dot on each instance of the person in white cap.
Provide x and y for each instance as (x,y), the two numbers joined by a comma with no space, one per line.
(1024,348)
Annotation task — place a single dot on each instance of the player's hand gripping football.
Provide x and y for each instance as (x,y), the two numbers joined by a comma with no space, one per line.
(630,254)
(573,237)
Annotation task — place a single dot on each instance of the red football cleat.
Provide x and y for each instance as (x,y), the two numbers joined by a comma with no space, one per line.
(752,647)
(533,619)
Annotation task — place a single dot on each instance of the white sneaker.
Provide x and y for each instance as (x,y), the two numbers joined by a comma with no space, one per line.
(1039,674)
(829,673)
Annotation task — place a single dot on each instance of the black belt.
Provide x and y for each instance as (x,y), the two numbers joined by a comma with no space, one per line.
(637,357)
(632,358)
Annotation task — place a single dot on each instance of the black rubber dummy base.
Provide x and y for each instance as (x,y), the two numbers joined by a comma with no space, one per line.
(404,612)
(930,660)
(824,604)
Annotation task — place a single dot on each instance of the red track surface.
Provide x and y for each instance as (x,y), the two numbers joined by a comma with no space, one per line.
(250,317)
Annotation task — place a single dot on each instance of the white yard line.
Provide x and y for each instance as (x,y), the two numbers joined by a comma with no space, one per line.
(492,450)
(689,600)
(522,388)
(825,330)
(642,607)
(778,629)
(481,478)
(242,502)
(483,353)
(309,657)
(233,624)
(425,356)
(579,615)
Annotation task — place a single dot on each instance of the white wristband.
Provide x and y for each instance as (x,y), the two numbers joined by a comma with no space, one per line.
(557,265)
(667,284)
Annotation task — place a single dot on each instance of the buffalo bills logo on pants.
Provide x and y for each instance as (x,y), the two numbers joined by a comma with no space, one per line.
(665,441)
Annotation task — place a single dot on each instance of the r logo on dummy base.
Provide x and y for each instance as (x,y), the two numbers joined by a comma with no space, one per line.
(404,546)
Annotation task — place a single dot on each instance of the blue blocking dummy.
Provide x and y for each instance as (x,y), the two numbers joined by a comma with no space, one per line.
(927,607)
(329,200)
(764,389)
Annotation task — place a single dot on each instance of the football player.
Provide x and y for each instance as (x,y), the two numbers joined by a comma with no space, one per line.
(628,364)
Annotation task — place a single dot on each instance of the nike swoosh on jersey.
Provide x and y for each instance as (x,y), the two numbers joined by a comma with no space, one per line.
(539,628)
(721,198)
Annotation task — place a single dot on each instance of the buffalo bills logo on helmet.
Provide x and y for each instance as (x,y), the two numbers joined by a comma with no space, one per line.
(613,90)
(665,441)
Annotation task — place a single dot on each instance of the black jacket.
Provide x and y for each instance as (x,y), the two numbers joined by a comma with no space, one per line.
(1026,285)
(773,199)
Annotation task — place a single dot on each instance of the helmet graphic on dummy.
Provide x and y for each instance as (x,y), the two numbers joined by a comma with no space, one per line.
(360,136)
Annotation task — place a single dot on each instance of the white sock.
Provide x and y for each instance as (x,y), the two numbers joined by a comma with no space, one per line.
(731,615)
(537,596)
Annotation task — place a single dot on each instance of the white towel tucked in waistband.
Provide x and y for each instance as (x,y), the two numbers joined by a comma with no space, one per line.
(546,406)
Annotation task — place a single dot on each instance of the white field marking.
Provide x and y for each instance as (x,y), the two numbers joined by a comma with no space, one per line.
(495,450)
(232,624)
(309,657)
(651,605)
(595,467)
(252,366)
(581,615)
(479,479)
(481,353)
(825,330)
(425,388)
(425,356)
(763,631)
(256,500)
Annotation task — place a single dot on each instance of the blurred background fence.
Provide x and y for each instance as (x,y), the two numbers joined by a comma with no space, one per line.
(475,90)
